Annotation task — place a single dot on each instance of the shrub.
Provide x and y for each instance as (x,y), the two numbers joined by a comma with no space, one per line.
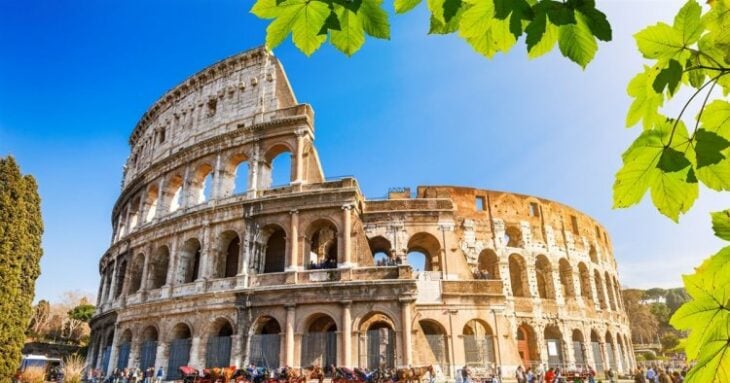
(33,374)
(73,369)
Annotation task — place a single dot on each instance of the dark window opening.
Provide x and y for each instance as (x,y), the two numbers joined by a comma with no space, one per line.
(574,223)
(480,204)
(534,209)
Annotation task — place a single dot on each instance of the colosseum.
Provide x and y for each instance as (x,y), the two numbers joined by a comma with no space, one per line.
(212,265)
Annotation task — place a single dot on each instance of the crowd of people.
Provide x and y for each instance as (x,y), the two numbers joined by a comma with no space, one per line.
(660,374)
(127,375)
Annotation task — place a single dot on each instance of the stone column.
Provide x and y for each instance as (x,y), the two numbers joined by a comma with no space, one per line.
(347,333)
(347,235)
(215,192)
(617,356)
(299,169)
(289,340)
(206,253)
(235,350)
(195,359)
(102,290)
(114,352)
(114,287)
(145,268)
(133,361)
(183,200)
(294,241)
(161,356)
(172,264)
(163,205)
(253,169)
(407,342)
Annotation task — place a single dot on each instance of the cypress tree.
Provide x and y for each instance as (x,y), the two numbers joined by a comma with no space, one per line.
(21,228)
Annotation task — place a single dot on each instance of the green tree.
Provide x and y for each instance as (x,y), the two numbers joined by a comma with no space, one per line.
(21,228)
(82,312)
(669,341)
(676,298)
(660,311)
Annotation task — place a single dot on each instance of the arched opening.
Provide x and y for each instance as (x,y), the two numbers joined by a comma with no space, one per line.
(108,281)
(125,345)
(275,250)
(135,280)
(121,276)
(241,181)
(544,276)
(158,265)
(266,343)
(228,255)
(566,278)
(436,338)
(153,198)
(218,348)
(554,344)
(488,265)
(593,254)
(610,291)
(134,213)
(610,351)
(107,351)
(276,169)
(189,269)
(323,245)
(381,250)
(425,248)
(621,352)
(513,236)
(148,348)
(599,289)
(518,276)
(122,224)
(585,282)
(234,176)
(617,291)
(597,351)
(527,345)
(319,342)
(179,350)
(378,337)
(201,186)
(579,349)
(174,192)
(478,344)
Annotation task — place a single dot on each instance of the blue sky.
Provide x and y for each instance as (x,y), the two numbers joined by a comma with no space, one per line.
(76,76)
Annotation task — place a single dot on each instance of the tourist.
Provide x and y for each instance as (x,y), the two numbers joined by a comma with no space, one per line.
(466,374)
(550,375)
(160,374)
(651,375)
(530,375)
(520,375)
(611,375)
(663,377)
(539,373)
(639,376)
(676,377)
(558,376)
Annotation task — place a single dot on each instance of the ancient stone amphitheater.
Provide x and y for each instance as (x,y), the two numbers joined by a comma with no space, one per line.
(212,265)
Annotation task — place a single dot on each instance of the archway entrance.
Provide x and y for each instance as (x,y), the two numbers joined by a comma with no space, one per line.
(596,349)
(218,351)
(319,343)
(554,344)
(266,344)
(579,349)
(179,350)
(478,344)
(526,345)
(436,339)
(148,349)
(380,346)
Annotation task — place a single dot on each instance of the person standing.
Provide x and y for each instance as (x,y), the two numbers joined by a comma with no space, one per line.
(539,373)
(639,376)
(520,375)
(160,374)
(549,375)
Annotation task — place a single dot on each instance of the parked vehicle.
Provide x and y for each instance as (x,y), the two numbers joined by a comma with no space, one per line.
(52,367)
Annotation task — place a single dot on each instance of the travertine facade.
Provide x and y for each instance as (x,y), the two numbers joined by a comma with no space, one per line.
(211,265)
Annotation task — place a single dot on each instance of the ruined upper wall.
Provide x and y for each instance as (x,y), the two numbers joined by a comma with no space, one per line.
(236,92)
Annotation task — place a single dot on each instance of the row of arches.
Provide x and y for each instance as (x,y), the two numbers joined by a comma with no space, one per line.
(605,351)
(203,183)
(513,237)
(607,288)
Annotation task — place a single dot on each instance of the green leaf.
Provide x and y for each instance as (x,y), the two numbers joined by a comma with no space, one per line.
(451,8)
(546,44)
(577,42)
(687,23)
(266,9)
(486,34)
(516,10)
(721,224)
(560,13)
(437,9)
(647,101)
(331,22)
(452,26)
(709,148)
(713,156)
(668,77)
(660,41)
(717,22)
(351,35)
(597,22)
(403,6)
(535,30)
(309,19)
(374,19)
(696,76)
(652,164)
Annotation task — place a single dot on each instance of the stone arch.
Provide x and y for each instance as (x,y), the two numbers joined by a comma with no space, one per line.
(566,278)
(235,175)
(135,278)
(429,247)
(152,201)
(381,249)
(489,264)
(229,251)
(148,347)
(201,184)
(518,276)
(610,291)
(179,349)
(597,350)
(579,348)
(265,344)
(620,345)
(134,208)
(478,343)
(554,343)
(122,223)
(513,236)
(268,167)
(599,289)
(274,249)
(436,338)
(150,333)
(189,261)
(121,277)
(378,334)
(319,341)
(544,277)
(157,268)
(218,346)
(322,239)
(585,281)
(174,193)
(609,345)
(123,349)
(617,291)
(527,344)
